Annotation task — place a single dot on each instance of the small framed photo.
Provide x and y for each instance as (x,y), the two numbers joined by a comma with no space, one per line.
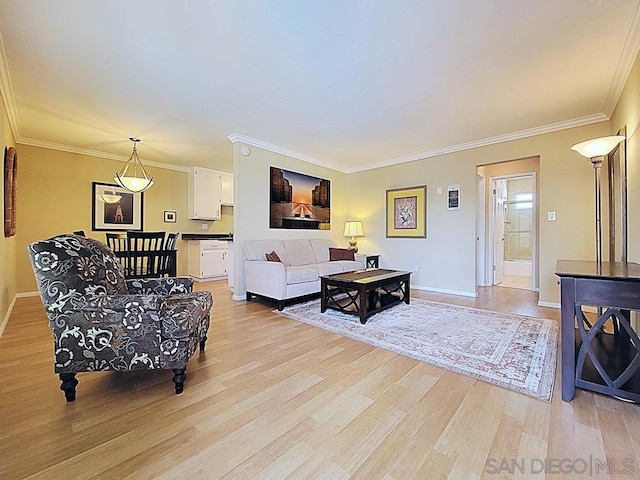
(453,197)
(170,216)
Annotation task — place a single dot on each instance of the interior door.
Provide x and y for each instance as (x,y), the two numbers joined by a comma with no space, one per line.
(498,218)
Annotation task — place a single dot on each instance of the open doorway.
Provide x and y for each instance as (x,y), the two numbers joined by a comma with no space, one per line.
(507,254)
(514,231)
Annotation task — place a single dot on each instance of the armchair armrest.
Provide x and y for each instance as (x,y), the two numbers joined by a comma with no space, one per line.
(123,303)
(160,286)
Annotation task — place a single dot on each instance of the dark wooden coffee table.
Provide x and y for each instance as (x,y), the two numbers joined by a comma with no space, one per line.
(364,292)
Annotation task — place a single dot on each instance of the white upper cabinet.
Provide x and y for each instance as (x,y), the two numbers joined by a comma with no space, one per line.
(208,191)
(204,194)
(226,195)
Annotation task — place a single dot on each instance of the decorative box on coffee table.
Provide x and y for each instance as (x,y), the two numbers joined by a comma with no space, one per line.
(364,292)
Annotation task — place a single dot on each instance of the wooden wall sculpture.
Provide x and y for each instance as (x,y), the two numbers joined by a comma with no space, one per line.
(10,190)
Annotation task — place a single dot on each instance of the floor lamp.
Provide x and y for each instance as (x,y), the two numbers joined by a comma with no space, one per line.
(597,150)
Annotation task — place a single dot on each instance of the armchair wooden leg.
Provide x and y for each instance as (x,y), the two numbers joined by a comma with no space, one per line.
(202,343)
(179,376)
(69,382)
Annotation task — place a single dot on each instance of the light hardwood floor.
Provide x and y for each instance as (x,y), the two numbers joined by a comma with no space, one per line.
(273,398)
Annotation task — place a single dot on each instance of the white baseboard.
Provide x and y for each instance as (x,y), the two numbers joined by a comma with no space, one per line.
(27,294)
(444,290)
(5,320)
(548,304)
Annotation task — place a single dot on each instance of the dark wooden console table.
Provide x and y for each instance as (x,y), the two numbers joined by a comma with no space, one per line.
(364,292)
(604,362)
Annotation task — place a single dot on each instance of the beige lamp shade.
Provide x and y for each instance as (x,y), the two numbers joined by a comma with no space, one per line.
(353,229)
(598,147)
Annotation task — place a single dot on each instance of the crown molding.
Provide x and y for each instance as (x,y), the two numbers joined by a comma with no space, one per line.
(6,91)
(627,57)
(531,132)
(239,137)
(95,153)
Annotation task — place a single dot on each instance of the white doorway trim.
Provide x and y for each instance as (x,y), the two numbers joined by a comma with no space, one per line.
(481,234)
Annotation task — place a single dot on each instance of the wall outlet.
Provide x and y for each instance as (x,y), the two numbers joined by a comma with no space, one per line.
(415,268)
(204,226)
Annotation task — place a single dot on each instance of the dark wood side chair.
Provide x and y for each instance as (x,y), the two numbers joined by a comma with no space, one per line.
(145,252)
(117,242)
(169,262)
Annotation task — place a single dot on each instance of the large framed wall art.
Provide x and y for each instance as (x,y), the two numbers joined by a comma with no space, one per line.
(407,212)
(299,201)
(115,208)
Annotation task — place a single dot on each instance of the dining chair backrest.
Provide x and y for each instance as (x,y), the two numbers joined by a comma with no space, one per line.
(170,243)
(146,255)
(117,242)
(145,241)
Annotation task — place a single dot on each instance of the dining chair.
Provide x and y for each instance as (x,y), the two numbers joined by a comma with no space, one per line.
(169,261)
(145,255)
(117,242)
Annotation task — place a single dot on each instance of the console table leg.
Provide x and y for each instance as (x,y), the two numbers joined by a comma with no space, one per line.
(567,295)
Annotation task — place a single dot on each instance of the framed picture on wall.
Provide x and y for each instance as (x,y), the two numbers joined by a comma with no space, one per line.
(407,212)
(299,201)
(115,208)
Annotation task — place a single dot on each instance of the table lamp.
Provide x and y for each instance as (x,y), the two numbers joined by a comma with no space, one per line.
(353,229)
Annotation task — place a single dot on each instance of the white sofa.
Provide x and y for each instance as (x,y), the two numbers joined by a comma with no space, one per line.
(298,273)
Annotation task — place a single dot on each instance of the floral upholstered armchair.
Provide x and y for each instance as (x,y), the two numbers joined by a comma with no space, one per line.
(100,321)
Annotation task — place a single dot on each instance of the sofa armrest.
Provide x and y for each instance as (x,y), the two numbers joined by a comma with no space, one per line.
(266,278)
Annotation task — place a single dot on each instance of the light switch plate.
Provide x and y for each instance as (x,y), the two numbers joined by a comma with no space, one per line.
(438,190)
(551,216)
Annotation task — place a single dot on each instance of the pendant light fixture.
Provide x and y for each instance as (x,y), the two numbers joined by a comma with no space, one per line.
(133,176)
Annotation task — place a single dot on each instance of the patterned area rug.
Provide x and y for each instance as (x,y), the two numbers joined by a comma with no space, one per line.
(512,351)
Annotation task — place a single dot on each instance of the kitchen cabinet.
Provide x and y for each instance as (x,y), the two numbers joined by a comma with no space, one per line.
(207,259)
(204,194)
(226,188)
(208,191)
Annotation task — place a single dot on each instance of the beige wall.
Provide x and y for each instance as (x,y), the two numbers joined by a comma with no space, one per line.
(627,113)
(8,271)
(251,177)
(446,258)
(55,197)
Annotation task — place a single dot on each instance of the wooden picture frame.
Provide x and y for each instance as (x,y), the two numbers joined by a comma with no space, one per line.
(125,214)
(407,212)
(10,190)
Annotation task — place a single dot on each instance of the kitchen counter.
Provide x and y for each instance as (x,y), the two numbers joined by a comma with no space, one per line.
(228,237)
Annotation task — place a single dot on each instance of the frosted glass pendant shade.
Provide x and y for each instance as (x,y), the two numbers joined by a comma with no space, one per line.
(598,147)
(133,175)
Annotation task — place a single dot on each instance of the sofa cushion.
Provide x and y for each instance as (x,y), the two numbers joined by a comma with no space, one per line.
(256,249)
(273,256)
(328,268)
(348,265)
(341,254)
(299,252)
(321,248)
(301,274)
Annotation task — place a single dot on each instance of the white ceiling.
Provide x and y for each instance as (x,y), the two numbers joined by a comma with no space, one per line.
(346,84)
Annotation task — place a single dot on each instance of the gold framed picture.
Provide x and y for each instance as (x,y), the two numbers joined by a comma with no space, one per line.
(407,212)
